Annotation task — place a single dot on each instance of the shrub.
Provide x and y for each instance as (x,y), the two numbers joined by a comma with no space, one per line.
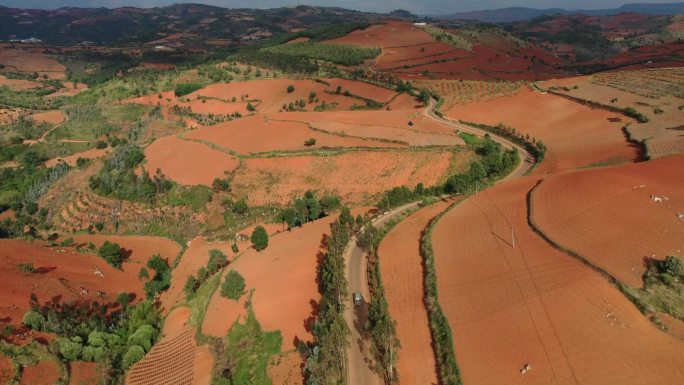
(290,89)
(234,248)
(110,252)
(220,184)
(143,275)
(183,89)
(70,348)
(216,261)
(190,286)
(26,267)
(34,320)
(162,276)
(134,354)
(101,144)
(233,286)
(250,107)
(310,142)
(259,238)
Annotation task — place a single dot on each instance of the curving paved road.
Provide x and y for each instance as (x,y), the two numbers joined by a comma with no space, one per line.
(359,363)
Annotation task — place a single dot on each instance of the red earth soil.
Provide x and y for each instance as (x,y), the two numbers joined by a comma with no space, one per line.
(354,176)
(140,247)
(66,276)
(257,134)
(71,89)
(271,94)
(6,370)
(277,304)
(175,359)
(401,268)
(42,373)
(93,153)
(30,61)
(607,214)
(408,126)
(84,373)
(18,84)
(187,162)
(52,117)
(194,257)
(534,305)
(575,135)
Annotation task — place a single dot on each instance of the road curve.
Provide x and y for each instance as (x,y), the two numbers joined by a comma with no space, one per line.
(359,362)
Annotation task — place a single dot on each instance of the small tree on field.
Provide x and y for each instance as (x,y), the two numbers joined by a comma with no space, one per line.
(34,320)
(143,275)
(220,185)
(110,252)
(233,286)
(27,267)
(290,89)
(250,107)
(190,285)
(259,238)
(216,261)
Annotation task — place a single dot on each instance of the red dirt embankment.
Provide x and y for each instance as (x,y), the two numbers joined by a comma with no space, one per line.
(187,162)
(607,214)
(93,153)
(256,134)
(401,268)
(532,304)
(574,134)
(69,275)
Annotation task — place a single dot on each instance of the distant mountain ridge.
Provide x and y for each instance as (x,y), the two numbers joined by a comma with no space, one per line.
(510,14)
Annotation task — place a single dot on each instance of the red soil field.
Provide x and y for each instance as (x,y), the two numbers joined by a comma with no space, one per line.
(6,370)
(18,84)
(401,268)
(174,359)
(84,373)
(196,256)
(574,134)
(360,88)
(354,176)
(607,216)
(52,117)
(196,105)
(69,275)
(272,93)
(141,247)
(390,34)
(93,153)
(21,60)
(257,134)
(276,304)
(532,304)
(187,162)
(302,39)
(42,373)
(385,125)
(405,102)
(71,89)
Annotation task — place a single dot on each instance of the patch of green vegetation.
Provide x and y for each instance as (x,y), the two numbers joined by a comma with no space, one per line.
(233,286)
(470,139)
(200,301)
(335,53)
(195,197)
(246,353)
(34,99)
(29,355)
(663,289)
(183,89)
(162,276)
(24,128)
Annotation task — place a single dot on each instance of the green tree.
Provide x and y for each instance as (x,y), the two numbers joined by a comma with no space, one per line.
(233,286)
(190,286)
(250,107)
(110,252)
(70,348)
(290,89)
(216,260)
(134,354)
(143,275)
(259,238)
(34,320)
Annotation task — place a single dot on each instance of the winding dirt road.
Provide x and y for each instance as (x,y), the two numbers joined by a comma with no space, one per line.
(359,359)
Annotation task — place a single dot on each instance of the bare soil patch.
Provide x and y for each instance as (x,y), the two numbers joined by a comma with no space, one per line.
(52,117)
(258,134)
(42,373)
(187,162)
(532,304)
(575,135)
(93,153)
(60,273)
(401,268)
(354,176)
(608,215)
(84,373)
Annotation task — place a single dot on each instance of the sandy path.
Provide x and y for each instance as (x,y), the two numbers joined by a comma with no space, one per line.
(401,268)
